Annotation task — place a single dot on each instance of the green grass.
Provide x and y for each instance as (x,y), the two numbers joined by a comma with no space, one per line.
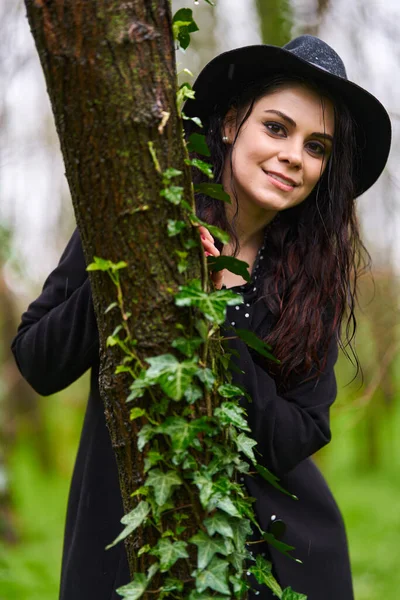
(368,499)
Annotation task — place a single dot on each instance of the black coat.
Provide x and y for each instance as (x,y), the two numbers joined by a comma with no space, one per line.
(57,341)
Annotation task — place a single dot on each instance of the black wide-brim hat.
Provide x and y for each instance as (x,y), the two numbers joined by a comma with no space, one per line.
(307,56)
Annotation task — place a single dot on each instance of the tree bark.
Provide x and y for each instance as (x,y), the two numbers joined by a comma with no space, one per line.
(111,76)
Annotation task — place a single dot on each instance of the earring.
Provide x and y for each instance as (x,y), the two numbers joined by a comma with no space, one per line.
(225,139)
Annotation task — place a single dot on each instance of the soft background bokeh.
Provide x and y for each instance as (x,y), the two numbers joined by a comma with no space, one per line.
(39,436)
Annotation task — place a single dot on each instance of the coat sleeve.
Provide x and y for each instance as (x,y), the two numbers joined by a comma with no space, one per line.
(289,427)
(57,339)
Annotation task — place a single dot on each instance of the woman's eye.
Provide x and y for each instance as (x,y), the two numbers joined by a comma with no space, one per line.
(275,128)
(317,148)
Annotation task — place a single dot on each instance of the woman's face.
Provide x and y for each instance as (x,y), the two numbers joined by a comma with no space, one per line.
(281,150)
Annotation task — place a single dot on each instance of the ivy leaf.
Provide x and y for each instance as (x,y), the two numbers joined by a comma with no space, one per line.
(183,432)
(170,173)
(194,119)
(214,190)
(132,521)
(245,509)
(151,459)
(175,227)
(262,571)
(187,346)
(256,343)
(289,594)
(204,167)
(230,413)
(225,504)
(101,264)
(169,552)
(182,26)
(197,143)
(163,484)
(144,549)
(189,463)
(219,522)
(245,444)
(240,586)
(212,305)
(237,559)
(145,435)
(171,584)
(110,307)
(213,229)
(136,413)
(214,577)
(273,480)
(232,264)
(173,376)
(281,546)
(185,92)
(241,530)
(207,547)
(205,486)
(173,194)
(193,393)
(228,390)
(207,377)
(139,386)
(137,587)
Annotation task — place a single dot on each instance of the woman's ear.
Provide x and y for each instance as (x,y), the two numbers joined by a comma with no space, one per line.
(229,126)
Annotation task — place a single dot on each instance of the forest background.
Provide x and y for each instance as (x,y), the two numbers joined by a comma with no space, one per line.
(39,436)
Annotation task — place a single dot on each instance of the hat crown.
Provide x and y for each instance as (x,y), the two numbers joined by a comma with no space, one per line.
(318,53)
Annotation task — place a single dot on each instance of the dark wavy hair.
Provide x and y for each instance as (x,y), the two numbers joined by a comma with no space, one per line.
(314,252)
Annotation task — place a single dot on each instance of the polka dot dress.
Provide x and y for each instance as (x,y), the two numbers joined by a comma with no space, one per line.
(240,316)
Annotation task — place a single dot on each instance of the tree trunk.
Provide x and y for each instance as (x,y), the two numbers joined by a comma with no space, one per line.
(111,76)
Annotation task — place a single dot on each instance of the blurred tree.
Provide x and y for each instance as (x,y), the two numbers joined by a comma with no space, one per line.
(276,21)
(18,401)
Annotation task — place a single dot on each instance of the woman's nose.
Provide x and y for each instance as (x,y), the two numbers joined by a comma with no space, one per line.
(293,155)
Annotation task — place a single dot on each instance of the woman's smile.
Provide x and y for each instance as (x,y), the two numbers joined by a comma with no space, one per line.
(280,181)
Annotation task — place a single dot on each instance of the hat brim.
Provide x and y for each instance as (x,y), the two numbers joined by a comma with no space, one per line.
(231,71)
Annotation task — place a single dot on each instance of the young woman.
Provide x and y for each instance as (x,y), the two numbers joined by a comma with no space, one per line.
(294,143)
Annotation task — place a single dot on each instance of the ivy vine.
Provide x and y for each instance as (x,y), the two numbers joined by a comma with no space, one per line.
(204,454)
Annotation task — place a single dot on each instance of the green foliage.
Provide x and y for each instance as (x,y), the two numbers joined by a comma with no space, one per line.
(197,143)
(182,26)
(138,586)
(29,570)
(132,521)
(169,552)
(214,190)
(201,165)
(211,305)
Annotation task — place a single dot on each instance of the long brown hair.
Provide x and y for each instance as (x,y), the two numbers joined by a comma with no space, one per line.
(314,253)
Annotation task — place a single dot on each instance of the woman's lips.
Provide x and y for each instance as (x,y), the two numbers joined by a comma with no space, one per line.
(286,187)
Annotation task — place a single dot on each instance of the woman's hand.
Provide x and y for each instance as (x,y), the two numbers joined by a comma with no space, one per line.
(210,250)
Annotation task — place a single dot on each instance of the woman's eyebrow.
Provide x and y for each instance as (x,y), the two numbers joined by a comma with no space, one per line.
(289,120)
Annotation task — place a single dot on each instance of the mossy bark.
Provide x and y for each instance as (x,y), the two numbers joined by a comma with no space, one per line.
(111,77)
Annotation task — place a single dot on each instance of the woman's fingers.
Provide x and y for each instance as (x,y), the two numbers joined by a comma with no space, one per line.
(209,246)
(210,249)
(204,232)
